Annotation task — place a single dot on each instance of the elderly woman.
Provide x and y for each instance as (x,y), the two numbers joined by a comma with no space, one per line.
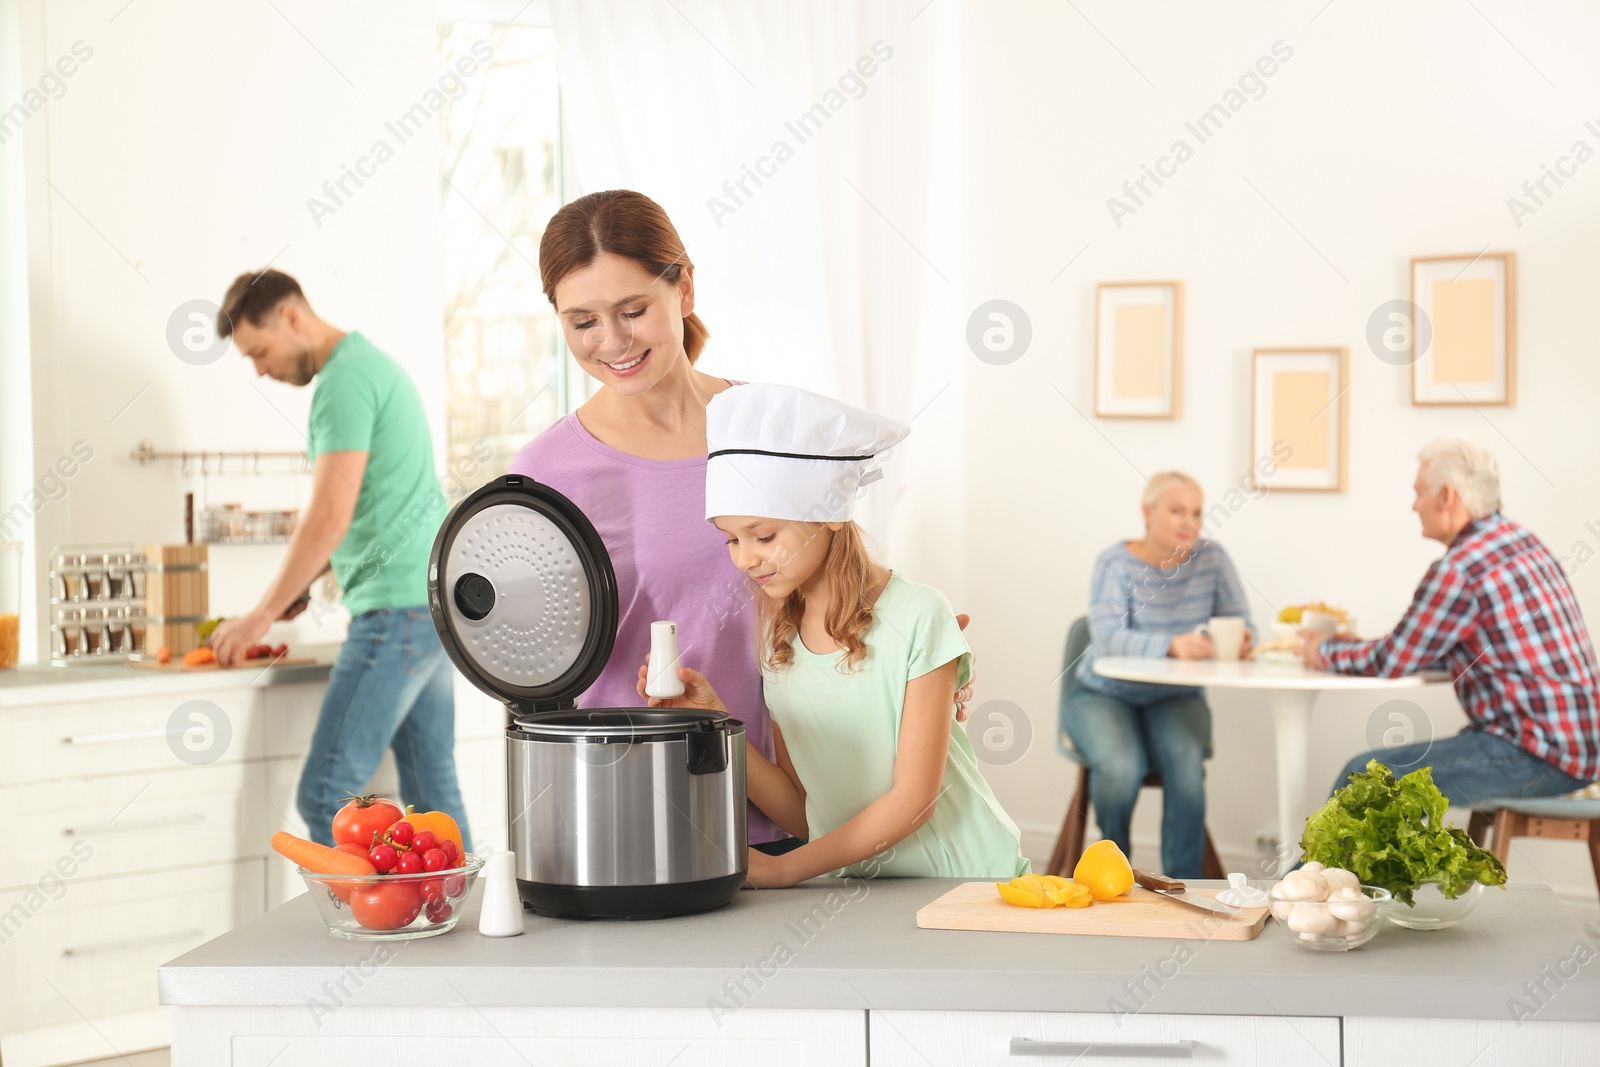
(1146,599)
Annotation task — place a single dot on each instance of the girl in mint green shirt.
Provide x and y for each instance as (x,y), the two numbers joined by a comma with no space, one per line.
(860,666)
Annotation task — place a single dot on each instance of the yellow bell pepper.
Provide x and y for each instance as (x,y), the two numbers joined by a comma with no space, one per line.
(1104,871)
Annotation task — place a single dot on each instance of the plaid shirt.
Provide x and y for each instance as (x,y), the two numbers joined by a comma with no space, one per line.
(1497,612)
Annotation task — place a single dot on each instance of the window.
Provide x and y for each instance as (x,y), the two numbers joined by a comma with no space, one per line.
(501,180)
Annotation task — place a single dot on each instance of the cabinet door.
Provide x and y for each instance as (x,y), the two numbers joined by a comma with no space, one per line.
(157,733)
(123,824)
(336,1034)
(84,949)
(973,1038)
(1370,1042)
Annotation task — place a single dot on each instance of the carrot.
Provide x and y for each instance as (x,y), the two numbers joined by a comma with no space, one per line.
(319,859)
(200,656)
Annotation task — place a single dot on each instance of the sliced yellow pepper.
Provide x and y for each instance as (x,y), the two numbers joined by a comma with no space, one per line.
(1074,896)
(1044,891)
(1021,896)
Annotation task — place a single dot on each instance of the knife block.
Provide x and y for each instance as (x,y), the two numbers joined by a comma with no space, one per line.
(177,595)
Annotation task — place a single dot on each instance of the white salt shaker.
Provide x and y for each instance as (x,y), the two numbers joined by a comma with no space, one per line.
(500,913)
(663,682)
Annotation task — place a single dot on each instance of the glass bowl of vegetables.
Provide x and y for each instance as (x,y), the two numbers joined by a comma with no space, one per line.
(1391,832)
(393,906)
(1348,919)
(1431,910)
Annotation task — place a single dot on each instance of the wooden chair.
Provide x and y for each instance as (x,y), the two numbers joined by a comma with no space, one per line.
(1069,843)
(1562,818)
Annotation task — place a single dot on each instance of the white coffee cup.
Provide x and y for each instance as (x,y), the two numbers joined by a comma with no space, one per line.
(1226,633)
(1319,622)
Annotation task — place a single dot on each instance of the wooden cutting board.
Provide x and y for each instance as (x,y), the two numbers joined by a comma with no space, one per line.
(178,665)
(1141,913)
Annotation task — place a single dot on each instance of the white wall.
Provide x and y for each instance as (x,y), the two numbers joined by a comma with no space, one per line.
(180,153)
(1393,131)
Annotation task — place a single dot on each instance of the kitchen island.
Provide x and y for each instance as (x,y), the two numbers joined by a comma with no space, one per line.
(837,973)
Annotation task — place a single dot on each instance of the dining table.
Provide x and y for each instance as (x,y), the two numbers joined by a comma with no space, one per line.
(1291,689)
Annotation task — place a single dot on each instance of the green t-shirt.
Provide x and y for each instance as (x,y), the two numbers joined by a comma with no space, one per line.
(842,730)
(364,402)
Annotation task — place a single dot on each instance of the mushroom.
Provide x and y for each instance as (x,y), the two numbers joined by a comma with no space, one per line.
(1312,867)
(1281,909)
(1312,918)
(1351,905)
(1301,885)
(1339,878)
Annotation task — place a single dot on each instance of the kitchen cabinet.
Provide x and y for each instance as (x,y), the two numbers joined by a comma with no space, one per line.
(120,853)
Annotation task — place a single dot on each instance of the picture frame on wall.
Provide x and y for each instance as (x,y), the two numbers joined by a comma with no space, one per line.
(1464,339)
(1300,419)
(1138,350)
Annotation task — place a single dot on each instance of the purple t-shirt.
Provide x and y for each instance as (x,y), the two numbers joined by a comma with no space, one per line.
(671,564)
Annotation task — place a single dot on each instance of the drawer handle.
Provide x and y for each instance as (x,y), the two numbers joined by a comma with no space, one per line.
(1176,1050)
(124,735)
(135,824)
(137,942)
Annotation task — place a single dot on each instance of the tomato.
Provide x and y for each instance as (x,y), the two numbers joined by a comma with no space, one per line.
(354,850)
(388,906)
(363,817)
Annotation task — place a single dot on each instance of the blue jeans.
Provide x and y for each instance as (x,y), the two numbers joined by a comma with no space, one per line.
(1471,767)
(391,687)
(1121,743)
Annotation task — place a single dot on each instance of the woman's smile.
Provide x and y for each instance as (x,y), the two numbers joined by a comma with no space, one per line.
(629,367)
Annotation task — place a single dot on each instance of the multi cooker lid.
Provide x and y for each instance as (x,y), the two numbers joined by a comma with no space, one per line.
(523,595)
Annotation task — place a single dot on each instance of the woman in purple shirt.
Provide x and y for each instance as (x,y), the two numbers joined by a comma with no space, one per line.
(633,456)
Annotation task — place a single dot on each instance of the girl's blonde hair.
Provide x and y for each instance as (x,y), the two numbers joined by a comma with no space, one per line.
(850,570)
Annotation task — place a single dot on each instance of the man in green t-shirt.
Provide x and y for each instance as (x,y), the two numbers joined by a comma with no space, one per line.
(375,507)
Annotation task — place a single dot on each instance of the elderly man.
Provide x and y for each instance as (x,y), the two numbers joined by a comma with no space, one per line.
(374,509)
(1497,612)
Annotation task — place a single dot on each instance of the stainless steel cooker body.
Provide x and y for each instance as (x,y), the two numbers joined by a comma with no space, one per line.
(626,811)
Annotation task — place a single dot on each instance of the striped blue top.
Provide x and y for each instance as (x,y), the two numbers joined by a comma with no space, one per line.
(1136,609)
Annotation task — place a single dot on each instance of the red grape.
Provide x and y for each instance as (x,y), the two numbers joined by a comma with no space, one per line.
(424,841)
(433,860)
(408,863)
(402,832)
(383,858)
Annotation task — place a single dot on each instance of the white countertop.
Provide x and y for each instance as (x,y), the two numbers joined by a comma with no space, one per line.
(861,948)
(33,685)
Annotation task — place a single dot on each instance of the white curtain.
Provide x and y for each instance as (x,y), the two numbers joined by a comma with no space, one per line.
(805,152)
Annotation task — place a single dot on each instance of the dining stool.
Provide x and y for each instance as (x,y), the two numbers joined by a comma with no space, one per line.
(1573,817)
(1069,843)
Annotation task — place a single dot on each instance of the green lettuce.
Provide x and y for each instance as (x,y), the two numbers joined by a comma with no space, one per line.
(1391,832)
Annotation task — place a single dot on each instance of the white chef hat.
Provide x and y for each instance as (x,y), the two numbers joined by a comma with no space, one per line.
(783,453)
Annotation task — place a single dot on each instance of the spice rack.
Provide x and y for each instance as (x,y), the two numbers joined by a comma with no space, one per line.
(113,603)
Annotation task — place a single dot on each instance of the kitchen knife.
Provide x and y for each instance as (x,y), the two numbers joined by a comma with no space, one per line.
(1171,887)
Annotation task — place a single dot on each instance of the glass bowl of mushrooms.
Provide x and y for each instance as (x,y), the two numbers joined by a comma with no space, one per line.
(1328,909)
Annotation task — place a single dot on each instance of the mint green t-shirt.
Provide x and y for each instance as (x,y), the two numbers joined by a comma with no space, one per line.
(365,402)
(842,730)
